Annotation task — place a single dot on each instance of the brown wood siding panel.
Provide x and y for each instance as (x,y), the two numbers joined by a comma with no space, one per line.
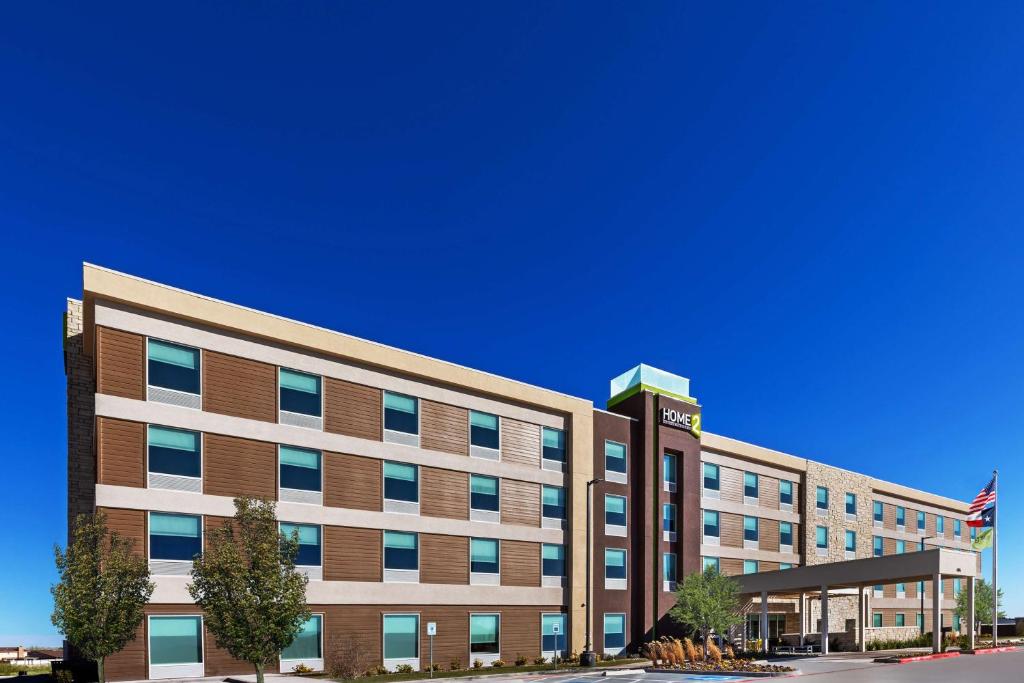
(769,535)
(353,482)
(352,409)
(219,661)
(444,428)
(768,492)
(520,443)
(358,625)
(520,633)
(520,563)
(730,483)
(120,363)
(129,663)
(351,554)
(444,493)
(520,502)
(730,529)
(122,452)
(130,524)
(731,566)
(767,566)
(236,467)
(889,516)
(888,546)
(444,559)
(239,387)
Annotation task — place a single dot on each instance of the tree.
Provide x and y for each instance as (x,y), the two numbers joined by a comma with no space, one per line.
(246,583)
(707,603)
(982,603)
(104,586)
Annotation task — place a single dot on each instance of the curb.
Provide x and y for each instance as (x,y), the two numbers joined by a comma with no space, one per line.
(745,674)
(991,650)
(911,660)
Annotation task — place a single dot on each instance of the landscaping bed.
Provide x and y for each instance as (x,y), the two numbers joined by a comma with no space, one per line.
(563,665)
(671,655)
(726,668)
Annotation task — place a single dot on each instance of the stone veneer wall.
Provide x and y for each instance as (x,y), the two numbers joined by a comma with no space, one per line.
(81,396)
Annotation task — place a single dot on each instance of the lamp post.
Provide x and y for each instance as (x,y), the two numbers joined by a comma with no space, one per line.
(588,657)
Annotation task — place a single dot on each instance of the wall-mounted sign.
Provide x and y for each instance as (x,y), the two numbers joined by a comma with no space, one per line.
(680,420)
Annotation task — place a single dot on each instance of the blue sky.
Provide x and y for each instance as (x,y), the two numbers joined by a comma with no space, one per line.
(811,210)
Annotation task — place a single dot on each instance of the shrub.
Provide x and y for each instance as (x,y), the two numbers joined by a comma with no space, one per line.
(455,664)
(691,651)
(345,656)
(678,656)
(540,660)
(404,669)
(714,654)
(378,670)
(520,660)
(301,669)
(478,664)
(63,676)
(729,652)
(898,644)
(431,667)
(497,663)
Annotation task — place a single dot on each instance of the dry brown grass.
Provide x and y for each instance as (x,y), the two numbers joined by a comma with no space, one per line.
(691,651)
(729,652)
(677,652)
(714,654)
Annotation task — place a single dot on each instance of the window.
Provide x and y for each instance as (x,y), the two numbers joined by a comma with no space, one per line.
(877,510)
(920,521)
(920,587)
(401,482)
(483,556)
(785,492)
(300,469)
(174,367)
(668,469)
(484,633)
(173,452)
(401,551)
(176,538)
(974,532)
(956,528)
(956,622)
(308,643)
(785,565)
(901,589)
(750,487)
(553,444)
(750,529)
(785,533)
(901,516)
(851,541)
(821,537)
(483,430)
(176,641)
(878,591)
(956,587)
(876,546)
(920,620)
(299,392)
(550,640)
(309,542)
(615,511)
(401,638)
(821,500)
(711,563)
(615,564)
(901,547)
(749,566)
(711,524)
(614,632)
(668,569)
(553,502)
(483,493)
(900,619)
(401,413)
(940,524)
(553,559)
(668,518)
(710,477)
(614,457)
(876,619)
(851,503)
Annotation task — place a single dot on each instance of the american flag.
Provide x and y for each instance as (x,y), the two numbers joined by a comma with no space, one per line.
(984,499)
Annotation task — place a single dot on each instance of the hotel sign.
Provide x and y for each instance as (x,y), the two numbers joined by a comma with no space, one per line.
(680,420)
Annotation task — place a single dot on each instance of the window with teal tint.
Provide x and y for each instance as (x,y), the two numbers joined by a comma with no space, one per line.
(749,566)
(750,485)
(483,493)
(751,529)
(172,366)
(901,588)
(956,587)
(711,528)
(299,392)
(614,510)
(401,636)
(974,532)
(900,619)
(919,620)
(483,555)
(821,537)
(877,510)
(920,520)
(956,622)
(553,444)
(851,503)
(668,468)
(901,547)
(401,482)
(173,451)
(552,632)
(785,565)
(175,640)
(901,516)
(553,559)
(614,631)
(785,492)
(821,498)
(956,528)
(401,413)
(553,502)
(940,524)
(615,457)
(668,567)
(710,563)
(785,533)
(711,476)
(309,542)
(484,633)
(174,537)
(876,546)
(308,641)
(668,517)
(851,541)
(401,550)
(483,430)
(300,469)
(876,620)
(614,563)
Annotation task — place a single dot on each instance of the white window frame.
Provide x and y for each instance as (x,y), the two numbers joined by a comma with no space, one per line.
(394,436)
(616,477)
(400,575)
(748,500)
(613,652)
(163,671)
(668,585)
(786,547)
(554,465)
(711,540)
(850,516)
(551,522)
(401,507)
(414,662)
(486,658)
(617,584)
(550,580)
(184,399)
(672,486)
(172,567)
(300,496)
(788,507)
(287,665)
(847,553)
(486,578)
(619,530)
(565,636)
(670,536)
(175,482)
(706,492)
(286,417)
(483,452)
(822,511)
(819,550)
(488,516)
(314,572)
(750,545)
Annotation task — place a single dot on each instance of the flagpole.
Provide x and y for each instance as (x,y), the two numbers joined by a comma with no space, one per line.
(995,561)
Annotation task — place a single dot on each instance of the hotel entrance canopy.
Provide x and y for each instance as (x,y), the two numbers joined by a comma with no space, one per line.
(925,565)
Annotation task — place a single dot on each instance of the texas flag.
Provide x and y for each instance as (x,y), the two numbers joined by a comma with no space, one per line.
(983,503)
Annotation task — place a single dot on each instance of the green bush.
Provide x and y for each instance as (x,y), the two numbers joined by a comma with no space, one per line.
(520,660)
(497,663)
(455,664)
(924,640)
(540,660)
(478,663)
(404,669)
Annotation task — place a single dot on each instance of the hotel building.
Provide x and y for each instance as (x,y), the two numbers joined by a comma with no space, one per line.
(424,492)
